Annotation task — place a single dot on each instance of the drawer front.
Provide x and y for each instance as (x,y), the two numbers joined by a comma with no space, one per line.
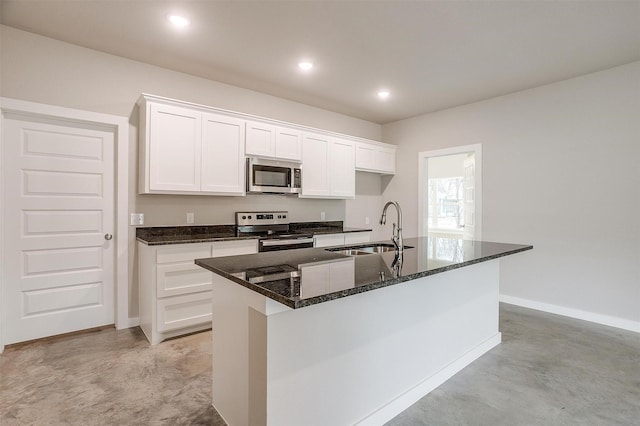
(183,253)
(232,248)
(328,240)
(184,311)
(357,237)
(175,279)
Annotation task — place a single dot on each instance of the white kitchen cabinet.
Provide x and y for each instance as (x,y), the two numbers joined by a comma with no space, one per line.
(328,167)
(315,165)
(319,278)
(175,293)
(356,237)
(275,142)
(223,165)
(194,149)
(347,238)
(342,172)
(173,149)
(185,150)
(376,158)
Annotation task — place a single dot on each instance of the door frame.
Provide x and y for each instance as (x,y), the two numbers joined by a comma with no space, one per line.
(423,158)
(120,127)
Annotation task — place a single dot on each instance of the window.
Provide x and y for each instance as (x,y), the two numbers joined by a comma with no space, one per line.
(446,204)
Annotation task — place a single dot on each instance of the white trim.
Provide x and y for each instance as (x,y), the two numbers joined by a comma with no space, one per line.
(573,313)
(407,399)
(424,155)
(120,126)
(250,117)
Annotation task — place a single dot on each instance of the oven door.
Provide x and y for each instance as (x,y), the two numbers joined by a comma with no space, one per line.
(275,244)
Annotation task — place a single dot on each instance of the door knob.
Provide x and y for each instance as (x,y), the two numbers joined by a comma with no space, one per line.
(108,237)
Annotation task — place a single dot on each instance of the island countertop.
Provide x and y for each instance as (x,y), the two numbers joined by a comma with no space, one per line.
(305,277)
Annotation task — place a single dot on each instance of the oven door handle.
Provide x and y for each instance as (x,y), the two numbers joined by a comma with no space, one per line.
(267,243)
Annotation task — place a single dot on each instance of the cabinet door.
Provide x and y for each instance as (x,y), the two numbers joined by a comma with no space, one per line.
(315,165)
(342,170)
(174,279)
(174,148)
(328,240)
(357,237)
(232,248)
(385,159)
(365,156)
(223,166)
(184,311)
(288,144)
(260,139)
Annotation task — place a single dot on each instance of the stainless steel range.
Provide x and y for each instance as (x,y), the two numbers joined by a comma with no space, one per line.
(273,231)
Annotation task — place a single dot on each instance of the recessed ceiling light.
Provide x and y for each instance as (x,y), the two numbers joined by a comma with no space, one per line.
(305,65)
(179,21)
(383,94)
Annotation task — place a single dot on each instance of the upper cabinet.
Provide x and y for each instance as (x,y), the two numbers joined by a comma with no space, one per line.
(374,157)
(328,167)
(222,155)
(170,148)
(187,148)
(184,150)
(270,141)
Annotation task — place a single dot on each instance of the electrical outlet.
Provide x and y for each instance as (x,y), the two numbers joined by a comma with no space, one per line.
(136,219)
(190,218)
(322,215)
(366,220)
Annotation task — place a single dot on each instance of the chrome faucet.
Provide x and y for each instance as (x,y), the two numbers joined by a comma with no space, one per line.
(397,232)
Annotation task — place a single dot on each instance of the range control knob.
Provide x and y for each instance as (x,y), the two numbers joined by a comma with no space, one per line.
(249,216)
(244,217)
(284,216)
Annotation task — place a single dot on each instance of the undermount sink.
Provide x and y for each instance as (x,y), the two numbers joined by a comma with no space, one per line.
(366,249)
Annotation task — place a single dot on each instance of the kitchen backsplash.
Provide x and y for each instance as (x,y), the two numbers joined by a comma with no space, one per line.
(162,210)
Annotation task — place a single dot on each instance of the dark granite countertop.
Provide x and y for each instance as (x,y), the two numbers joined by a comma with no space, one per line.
(294,280)
(163,235)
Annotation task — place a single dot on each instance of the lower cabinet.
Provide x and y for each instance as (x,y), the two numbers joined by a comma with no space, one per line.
(327,240)
(175,294)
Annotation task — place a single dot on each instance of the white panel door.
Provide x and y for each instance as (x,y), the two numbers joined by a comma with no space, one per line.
(58,266)
(223,166)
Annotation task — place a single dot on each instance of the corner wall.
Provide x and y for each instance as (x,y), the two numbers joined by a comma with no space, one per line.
(561,171)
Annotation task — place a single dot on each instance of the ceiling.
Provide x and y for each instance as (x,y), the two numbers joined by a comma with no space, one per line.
(430,55)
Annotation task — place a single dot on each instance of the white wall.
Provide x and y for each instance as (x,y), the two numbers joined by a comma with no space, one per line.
(562,172)
(43,70)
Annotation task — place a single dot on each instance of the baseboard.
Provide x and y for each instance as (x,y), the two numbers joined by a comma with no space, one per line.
(573,313)
(410,397)
(131,322)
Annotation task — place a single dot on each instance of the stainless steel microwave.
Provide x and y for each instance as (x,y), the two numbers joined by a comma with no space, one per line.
(273,177)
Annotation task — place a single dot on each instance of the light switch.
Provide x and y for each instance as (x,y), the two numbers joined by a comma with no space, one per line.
(190,218)
(136,219)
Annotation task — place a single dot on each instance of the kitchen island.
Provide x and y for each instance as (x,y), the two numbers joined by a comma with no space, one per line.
(315,336)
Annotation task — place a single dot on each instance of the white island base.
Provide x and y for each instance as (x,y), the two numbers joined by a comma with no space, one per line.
(361,359)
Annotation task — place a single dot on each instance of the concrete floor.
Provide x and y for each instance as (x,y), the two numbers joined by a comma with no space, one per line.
(549,370)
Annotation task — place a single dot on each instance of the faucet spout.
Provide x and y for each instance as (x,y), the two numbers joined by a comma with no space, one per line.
(397,231)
